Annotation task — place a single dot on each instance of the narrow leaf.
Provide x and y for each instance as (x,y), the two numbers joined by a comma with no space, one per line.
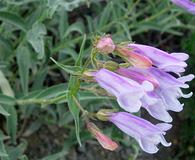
(7,100)
(12,122)
(35,37)
(74,70)
(3,152)
(3,111)
(5,86)
(75,27)
(23,60)
(13,19)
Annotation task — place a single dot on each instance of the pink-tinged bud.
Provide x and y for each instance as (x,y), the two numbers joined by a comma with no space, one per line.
(134,58)
(105,141)
(105,45)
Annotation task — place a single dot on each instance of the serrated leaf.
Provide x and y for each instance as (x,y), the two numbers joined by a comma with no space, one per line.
(13,19)
(23,60)
(35,37)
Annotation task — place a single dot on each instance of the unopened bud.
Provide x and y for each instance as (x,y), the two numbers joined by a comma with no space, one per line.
(104,114)
(134,58)
(104,140)
(105,45)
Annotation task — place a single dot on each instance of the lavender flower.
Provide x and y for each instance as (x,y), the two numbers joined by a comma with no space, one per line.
(167,90)
(147,135)
(156,108)
(185,4)
(170,88)
(174,62)
(128,92)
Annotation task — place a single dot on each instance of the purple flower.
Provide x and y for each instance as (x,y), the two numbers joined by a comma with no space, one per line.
(127,91)
(147,134)
(167,90)
(174,62)
(185,4)
(170,89)
(156,107)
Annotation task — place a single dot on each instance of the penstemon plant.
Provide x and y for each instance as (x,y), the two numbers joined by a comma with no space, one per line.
(143,79)
(73,70)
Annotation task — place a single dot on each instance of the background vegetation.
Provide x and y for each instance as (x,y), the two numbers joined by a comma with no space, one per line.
(35,120)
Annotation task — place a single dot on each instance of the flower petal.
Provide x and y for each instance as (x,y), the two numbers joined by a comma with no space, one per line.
(181,56)
(158,111)
(164,126)
(148,146)
(188,5)
(130,101)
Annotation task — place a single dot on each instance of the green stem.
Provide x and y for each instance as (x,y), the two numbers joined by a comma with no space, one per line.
(79,106)
(41,101)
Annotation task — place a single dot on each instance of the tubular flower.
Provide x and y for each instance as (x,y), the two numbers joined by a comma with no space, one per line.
(147,135)
(170,89)
(146,84)
(185,4)
(166,92)
(174,62)
(134,58)
(105,141)
(127,91)
(156,108)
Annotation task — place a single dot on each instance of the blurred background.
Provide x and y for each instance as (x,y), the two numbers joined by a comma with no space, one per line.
(32,31)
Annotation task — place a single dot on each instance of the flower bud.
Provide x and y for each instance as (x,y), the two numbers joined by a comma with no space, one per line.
(135,59)
(104,114)
(105,141)
(105,45)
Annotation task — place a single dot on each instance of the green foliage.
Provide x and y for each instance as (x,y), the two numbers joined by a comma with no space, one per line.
(45,44)
(35,38)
